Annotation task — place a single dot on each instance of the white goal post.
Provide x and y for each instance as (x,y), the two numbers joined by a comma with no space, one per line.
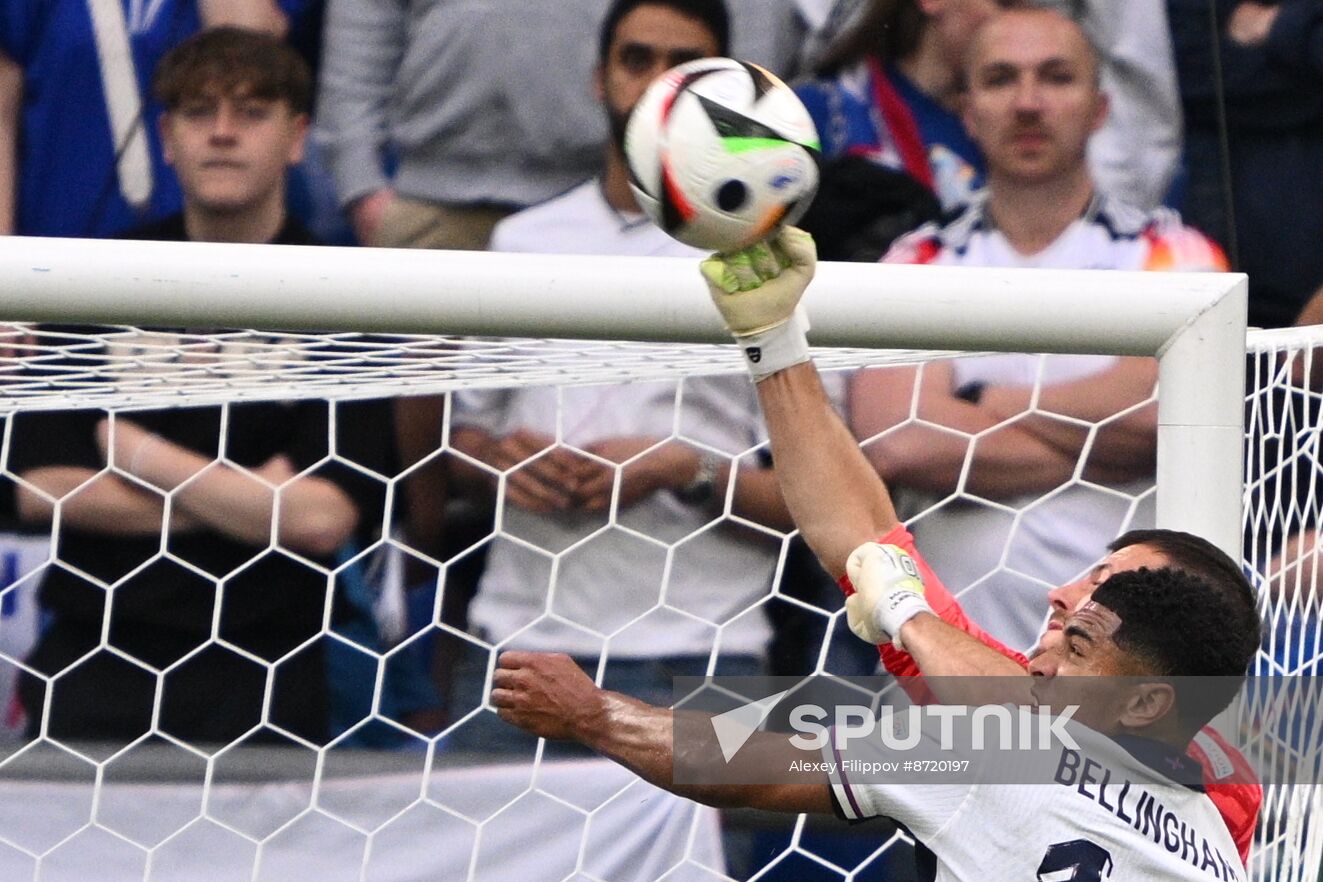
(1193,322)
(344,324)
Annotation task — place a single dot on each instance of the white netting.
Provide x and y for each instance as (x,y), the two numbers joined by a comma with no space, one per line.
(165,808)
(47,368)
(1283,503)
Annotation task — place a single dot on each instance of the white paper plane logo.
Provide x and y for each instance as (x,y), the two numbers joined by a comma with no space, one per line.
(734,727)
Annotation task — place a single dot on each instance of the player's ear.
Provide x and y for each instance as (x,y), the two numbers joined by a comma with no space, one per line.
(599,82)
(1147,703)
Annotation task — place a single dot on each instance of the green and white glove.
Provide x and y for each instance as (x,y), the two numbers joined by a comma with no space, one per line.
(887,592)
(757,291)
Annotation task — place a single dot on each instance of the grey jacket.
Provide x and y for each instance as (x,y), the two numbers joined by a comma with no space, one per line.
(482,101)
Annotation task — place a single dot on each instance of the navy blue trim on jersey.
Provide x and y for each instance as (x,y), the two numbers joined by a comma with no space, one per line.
(1167,761)
(845,785)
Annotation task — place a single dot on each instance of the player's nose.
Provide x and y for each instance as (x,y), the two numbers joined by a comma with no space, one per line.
(1064,598)
(1044,664)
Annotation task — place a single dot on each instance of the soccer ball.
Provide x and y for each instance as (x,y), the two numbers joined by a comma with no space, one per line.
(721,153)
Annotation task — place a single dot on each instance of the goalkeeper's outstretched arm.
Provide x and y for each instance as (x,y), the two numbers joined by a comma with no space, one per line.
(837,500)
(835,497)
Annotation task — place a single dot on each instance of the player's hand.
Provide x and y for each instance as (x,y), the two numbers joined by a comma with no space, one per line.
(757,290)
(887,592)
(546,694)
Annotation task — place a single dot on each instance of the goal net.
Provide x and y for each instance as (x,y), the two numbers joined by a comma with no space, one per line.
(411,777)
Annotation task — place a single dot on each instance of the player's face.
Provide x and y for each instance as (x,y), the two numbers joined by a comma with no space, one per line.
(1068,598)
(649,41)
(231,151)
(1033,99)
(1087,670)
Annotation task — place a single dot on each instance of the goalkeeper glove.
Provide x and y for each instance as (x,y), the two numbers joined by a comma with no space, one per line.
(887,593)
(757,291)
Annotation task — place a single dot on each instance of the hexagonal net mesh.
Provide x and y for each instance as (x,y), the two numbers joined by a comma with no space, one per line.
(1281,720)
(285,710)
(47,367)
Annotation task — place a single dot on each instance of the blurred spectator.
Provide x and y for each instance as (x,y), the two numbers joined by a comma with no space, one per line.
(1257,185)
(1134,156)
(477,107)
(236,117)
(562,447)
(24,553)
(79,154)
(1033,103)
(888,87)
(888,90)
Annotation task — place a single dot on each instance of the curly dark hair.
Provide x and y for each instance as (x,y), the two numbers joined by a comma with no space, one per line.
(1180,627)
(1200,558)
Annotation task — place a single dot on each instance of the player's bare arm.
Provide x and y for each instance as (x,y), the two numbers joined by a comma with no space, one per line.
(961,670)
(834,496)
(888,603)
(551,697)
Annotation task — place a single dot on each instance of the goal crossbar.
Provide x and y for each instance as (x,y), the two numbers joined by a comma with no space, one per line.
(1193,322)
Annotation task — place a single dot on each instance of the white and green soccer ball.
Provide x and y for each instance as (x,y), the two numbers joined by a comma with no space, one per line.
(721,153)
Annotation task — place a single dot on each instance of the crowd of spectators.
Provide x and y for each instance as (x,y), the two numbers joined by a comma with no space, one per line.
(457,125)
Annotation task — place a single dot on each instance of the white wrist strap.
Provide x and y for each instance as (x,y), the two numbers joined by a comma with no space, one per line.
(784,346)
(903,605)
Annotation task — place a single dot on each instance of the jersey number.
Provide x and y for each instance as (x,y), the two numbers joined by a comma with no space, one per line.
(1078,860)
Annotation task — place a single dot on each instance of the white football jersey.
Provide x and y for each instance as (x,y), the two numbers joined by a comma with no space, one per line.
(1113,809)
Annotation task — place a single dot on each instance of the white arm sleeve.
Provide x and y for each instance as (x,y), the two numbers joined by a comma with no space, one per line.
(924,803)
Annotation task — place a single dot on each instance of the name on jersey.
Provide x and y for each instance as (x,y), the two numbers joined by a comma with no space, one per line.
(1145,813)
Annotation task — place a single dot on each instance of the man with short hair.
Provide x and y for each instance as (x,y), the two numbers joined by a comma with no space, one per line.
(235,121)
(674,474)
(256,511)
(77,157)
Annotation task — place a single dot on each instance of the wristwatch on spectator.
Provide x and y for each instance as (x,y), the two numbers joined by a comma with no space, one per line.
(702,487)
